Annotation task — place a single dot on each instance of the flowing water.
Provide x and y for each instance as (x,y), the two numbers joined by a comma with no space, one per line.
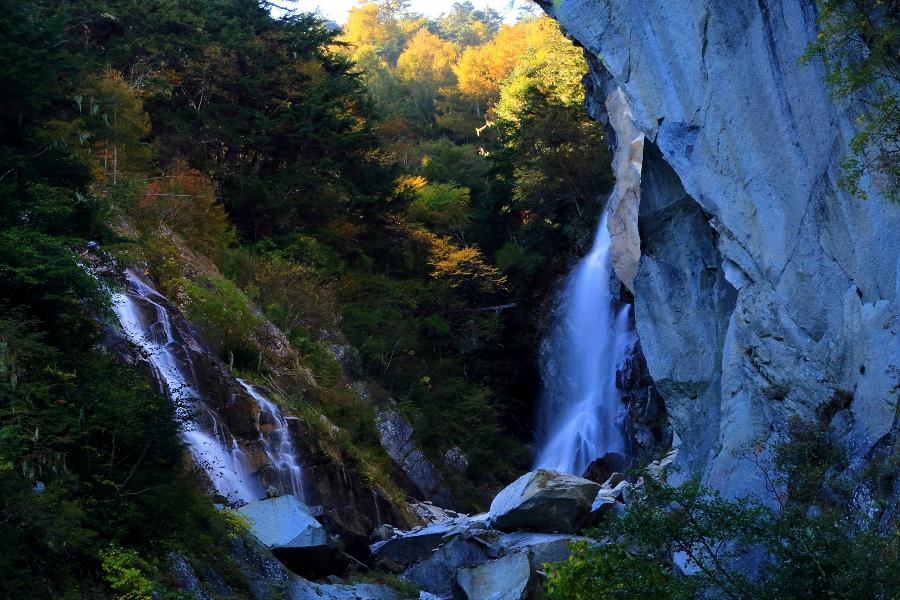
(277,444)
(146,322)
(581,408)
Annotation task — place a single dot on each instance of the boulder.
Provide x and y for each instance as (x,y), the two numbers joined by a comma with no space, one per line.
(604,467)
(604,505)
(617,492)
(544,500)
(407,548)
(429,513)
(382,533)
(456,459)
(614,480)
(436,574)
(511,577)
(286,527)
(542,548)
(268,578)
(657,469)
(361,591)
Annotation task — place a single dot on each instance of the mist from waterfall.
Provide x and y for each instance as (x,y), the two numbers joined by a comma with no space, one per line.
(581,409)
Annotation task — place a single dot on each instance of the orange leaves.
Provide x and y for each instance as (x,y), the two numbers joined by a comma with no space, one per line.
(462,268)
(482,69)
(410,184)
(184,200)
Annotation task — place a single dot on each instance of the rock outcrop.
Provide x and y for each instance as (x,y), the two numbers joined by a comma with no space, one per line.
(648,433)
(343,502)
(544,500)
(268,578)
(763,291)
(397,440)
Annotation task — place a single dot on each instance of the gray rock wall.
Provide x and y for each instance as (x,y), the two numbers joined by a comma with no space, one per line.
(762,290)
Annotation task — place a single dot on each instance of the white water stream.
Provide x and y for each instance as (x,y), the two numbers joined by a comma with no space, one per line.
(146,322)
(277,444)
(581,409)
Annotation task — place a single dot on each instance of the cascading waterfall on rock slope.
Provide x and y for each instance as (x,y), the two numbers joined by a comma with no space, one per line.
(276,441)
(581,408)
(146,322)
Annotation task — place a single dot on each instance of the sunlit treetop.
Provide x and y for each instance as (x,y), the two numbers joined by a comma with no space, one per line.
(481,70)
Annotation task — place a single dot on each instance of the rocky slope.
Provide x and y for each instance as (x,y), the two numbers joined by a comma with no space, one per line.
(762,290)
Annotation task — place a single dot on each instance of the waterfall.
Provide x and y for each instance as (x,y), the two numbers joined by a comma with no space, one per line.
(146,322)
(581,408)
(276,442)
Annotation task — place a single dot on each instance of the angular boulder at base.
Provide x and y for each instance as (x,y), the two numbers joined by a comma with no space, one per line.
(436,575)
(542,548)
(415,546)
(286,527)
(544,500)
(508,578)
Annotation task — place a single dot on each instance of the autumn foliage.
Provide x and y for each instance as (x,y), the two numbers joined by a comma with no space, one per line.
(184,201)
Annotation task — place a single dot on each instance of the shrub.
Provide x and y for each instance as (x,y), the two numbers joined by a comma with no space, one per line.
(859,44)
(443,207)
(225,316)
(799,551)
(598,572)
(126,574)
(291,295)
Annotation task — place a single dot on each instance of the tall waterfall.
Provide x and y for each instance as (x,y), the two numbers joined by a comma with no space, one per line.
(581,408)
(146,322)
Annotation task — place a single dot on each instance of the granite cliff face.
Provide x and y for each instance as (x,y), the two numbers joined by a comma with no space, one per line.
(763,292)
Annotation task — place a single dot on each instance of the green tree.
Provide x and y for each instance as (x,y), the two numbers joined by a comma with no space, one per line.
(467,26)
(859,42)
(443,207)
(681,540)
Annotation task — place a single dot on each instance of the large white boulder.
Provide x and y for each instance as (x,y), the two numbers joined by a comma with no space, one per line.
(286,526)
(544,500)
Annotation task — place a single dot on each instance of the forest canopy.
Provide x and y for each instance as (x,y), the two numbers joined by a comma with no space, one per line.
(406,186)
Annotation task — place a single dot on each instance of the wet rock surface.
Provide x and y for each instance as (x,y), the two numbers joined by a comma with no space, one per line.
(228,418)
